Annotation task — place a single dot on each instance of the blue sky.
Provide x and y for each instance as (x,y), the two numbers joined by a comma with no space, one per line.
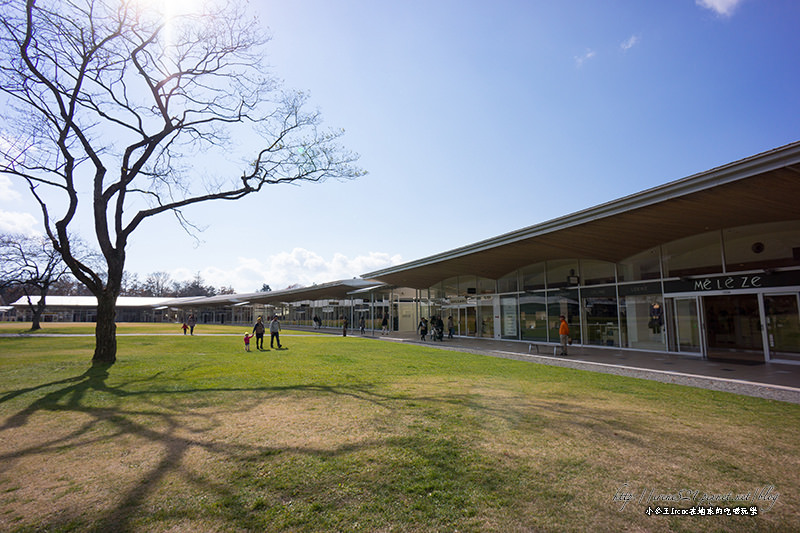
(478,118)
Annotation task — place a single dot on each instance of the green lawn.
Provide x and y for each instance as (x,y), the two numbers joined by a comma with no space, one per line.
(351,434)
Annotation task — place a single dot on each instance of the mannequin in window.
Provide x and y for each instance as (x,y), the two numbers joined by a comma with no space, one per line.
(656,318)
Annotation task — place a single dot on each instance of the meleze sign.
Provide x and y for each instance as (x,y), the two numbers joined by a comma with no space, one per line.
(734,282)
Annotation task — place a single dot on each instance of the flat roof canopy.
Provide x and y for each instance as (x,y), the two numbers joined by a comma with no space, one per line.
(763,188)
(335,290)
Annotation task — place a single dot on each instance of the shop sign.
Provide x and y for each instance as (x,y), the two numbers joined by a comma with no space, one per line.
(733,282)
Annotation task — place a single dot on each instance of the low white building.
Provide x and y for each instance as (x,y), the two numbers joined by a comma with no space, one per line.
(84,309)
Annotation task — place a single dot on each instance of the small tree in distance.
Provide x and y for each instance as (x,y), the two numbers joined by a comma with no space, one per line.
(32,264)
(114,107)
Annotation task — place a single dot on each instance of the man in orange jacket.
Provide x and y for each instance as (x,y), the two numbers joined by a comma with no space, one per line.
(563,334)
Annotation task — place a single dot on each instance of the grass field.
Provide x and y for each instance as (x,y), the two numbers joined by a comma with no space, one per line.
(351,434)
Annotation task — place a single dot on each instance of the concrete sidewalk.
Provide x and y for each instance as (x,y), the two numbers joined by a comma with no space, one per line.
(773,380)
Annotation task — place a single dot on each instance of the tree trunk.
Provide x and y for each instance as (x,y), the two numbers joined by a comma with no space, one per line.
(36,310)
(105,350)
(36,323)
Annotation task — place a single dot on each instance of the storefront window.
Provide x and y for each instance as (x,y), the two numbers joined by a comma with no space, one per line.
(424,310)
(783,324)
(600,312)
(533,316)
(507,283)
(699,254)
(508,316)
(450,287)
(597,272)
(467,285)
(564,302)
(563,273)
(436,292)
(532,277)
(406,318)
(642,315)
(640,267)
(762,246)
(487,286)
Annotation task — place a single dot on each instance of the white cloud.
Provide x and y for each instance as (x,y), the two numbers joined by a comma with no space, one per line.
(632,41)
(7,192)
(581,59)
(14,222)
(281,270)
(721,7)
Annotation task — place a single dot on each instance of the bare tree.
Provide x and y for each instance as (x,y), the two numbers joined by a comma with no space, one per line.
(114,107)
(32,264)
(226,290)
(158,284)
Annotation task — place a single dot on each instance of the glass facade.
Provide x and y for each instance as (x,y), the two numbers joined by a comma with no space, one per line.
(642,316)
(533,316)
(657,300)
(642,266)
(762,246)
(699,254)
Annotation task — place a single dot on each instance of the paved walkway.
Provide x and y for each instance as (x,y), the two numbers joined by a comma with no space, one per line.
(773,380)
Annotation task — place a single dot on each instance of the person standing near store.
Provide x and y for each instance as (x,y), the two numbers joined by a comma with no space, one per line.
(451,327)
(274,332)
(345,323)
(563,334)
(385,324)
(259,329)
(423,329)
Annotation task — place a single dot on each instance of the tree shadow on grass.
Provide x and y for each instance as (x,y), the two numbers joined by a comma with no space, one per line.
(76,387)
(411,476)
(161,418)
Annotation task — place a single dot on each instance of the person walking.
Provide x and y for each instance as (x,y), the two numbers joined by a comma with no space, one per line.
(345,323)
(274,332)
(192,323)
(385,324)
(259,329)
(362,324)
(451,327)
(423,329)
(563,334)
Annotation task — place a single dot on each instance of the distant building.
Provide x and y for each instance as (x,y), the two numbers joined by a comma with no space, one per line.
(84,309)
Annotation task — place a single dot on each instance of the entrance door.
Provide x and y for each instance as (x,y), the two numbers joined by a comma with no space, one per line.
(783,325)
(485,322)
(683,325)
(456,313)
(470,320)
(733,325)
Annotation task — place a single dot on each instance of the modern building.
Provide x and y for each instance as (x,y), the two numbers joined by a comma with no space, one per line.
(706,265)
